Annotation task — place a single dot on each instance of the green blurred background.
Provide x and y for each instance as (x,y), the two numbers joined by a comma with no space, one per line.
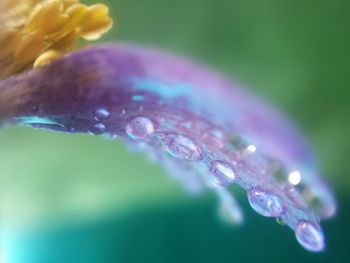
(76,198)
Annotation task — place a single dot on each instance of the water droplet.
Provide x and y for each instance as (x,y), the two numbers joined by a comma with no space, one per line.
(102,113)
(221,173)
(140,128)
(97,129)
(264,202)
(180,146)
(310,236)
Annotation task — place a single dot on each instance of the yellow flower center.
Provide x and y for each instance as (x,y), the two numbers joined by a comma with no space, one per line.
(36,32)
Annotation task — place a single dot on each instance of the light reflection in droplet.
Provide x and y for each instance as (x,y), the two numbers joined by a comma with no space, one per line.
(294,177)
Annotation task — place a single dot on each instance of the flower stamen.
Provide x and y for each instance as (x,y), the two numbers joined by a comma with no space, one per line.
(37,32)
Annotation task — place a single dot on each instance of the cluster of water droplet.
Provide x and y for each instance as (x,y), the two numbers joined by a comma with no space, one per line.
(207,154)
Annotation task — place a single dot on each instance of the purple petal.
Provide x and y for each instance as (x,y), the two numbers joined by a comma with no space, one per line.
(187,117)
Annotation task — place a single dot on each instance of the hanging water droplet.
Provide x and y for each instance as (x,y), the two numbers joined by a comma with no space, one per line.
(265,203)
(97,129)
(221,173)
(310,236)
(140,128)
(102,113)
(180,146)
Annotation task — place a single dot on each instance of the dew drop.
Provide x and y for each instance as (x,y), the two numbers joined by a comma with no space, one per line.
(221,173)
(180,146)
(102,113)
(140,128)
(310,236)
(265,203)
(97,129)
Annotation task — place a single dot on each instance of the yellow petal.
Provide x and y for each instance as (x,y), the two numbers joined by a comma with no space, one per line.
(96,22)
(29,48)
(8,42)
(45,17)
(68,3)
(46,58)
(98,10)
(66,43)
(94,31)
(75,15)
(14,13)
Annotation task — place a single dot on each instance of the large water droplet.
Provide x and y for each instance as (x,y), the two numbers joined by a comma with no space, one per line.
(264,202)
(310,236)
(221,173)
(140,128)
(180,146)
(102,113)
(97,129)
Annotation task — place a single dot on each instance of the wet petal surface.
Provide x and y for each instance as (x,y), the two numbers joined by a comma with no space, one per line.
(205,129)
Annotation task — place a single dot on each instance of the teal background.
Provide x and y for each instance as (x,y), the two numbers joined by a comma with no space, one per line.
(78,198)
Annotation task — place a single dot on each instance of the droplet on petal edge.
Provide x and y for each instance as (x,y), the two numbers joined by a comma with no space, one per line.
(265,203)
(97,129)
(310,236)
(194,121)
(221,173)
(180,146)
(140,128)
(102,113)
